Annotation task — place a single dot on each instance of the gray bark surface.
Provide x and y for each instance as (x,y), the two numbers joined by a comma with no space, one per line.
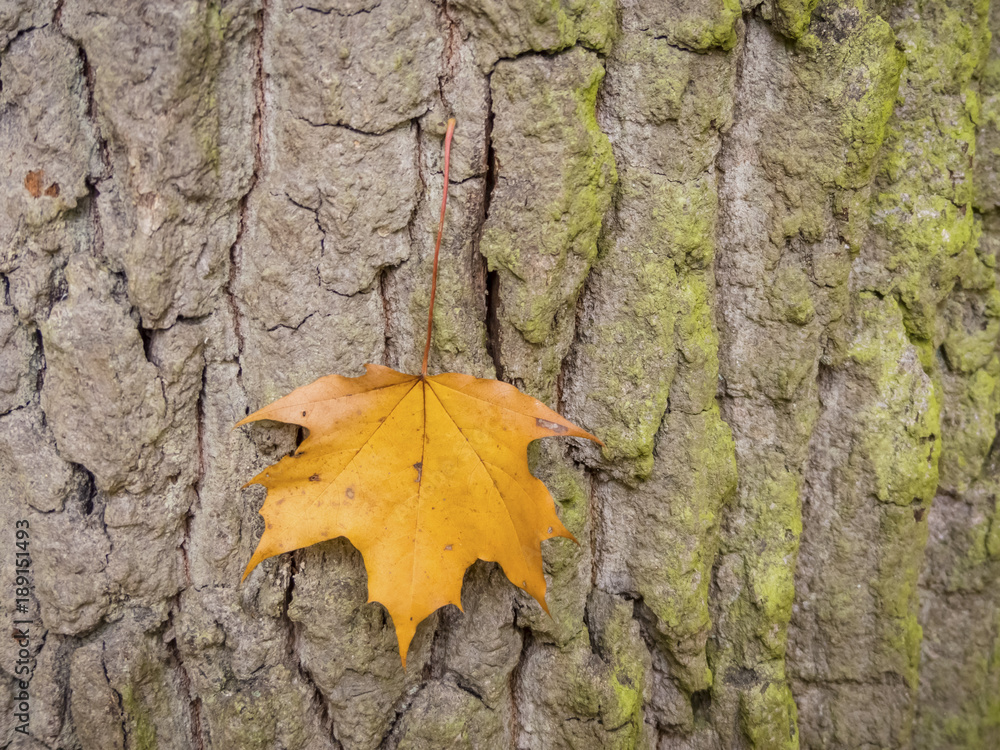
(752,246)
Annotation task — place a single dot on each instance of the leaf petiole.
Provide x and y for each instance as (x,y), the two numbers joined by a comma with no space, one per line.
(437,245)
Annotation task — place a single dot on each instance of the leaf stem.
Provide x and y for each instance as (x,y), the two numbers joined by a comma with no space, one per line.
(437,245)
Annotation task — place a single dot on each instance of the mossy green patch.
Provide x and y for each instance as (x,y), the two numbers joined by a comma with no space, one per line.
(694,387)
(971,407)
(506,30)
(270,713)
(567,563)
(791,17)
(992,542)
(201,47)
(771,572)
(671,564)
(839,95)
(969,715)
(874,66)
(901,546)
(655,304)
(546,215)
(790,296)
(706,30)
(901,427)
(769,718)
(596,22)
(141,728)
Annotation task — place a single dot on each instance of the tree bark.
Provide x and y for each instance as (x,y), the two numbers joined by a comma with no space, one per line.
(752,248)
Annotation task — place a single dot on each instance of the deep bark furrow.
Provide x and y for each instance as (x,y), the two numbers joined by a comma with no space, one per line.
(492,283)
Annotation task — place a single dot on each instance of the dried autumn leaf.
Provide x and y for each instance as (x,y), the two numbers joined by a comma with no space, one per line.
(423,474)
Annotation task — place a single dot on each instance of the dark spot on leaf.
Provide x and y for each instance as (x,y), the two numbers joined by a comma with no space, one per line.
(419,466)
(918,514)
(553,426)
(349,492)
(280,501)
(33,183)
(52,190)
(314,478)
(303,414)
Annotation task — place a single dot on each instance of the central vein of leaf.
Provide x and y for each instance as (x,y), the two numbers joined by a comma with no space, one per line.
(420,494)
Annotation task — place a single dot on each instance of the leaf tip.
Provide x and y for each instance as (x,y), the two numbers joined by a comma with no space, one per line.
(589,436)
(249,569)
(404,637)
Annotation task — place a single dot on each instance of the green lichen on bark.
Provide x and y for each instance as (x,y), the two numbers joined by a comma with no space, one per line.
(555,187)
(696,26)
(646,293)
(960,671)
(790,17)
(507,29)
(619,642)
(141,730)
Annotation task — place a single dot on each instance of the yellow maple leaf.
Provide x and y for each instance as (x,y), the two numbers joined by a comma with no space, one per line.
(423,474)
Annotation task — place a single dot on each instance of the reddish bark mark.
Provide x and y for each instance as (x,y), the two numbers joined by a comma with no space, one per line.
(33,183)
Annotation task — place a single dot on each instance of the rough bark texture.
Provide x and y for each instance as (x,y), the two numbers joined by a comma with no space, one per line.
(754,248)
